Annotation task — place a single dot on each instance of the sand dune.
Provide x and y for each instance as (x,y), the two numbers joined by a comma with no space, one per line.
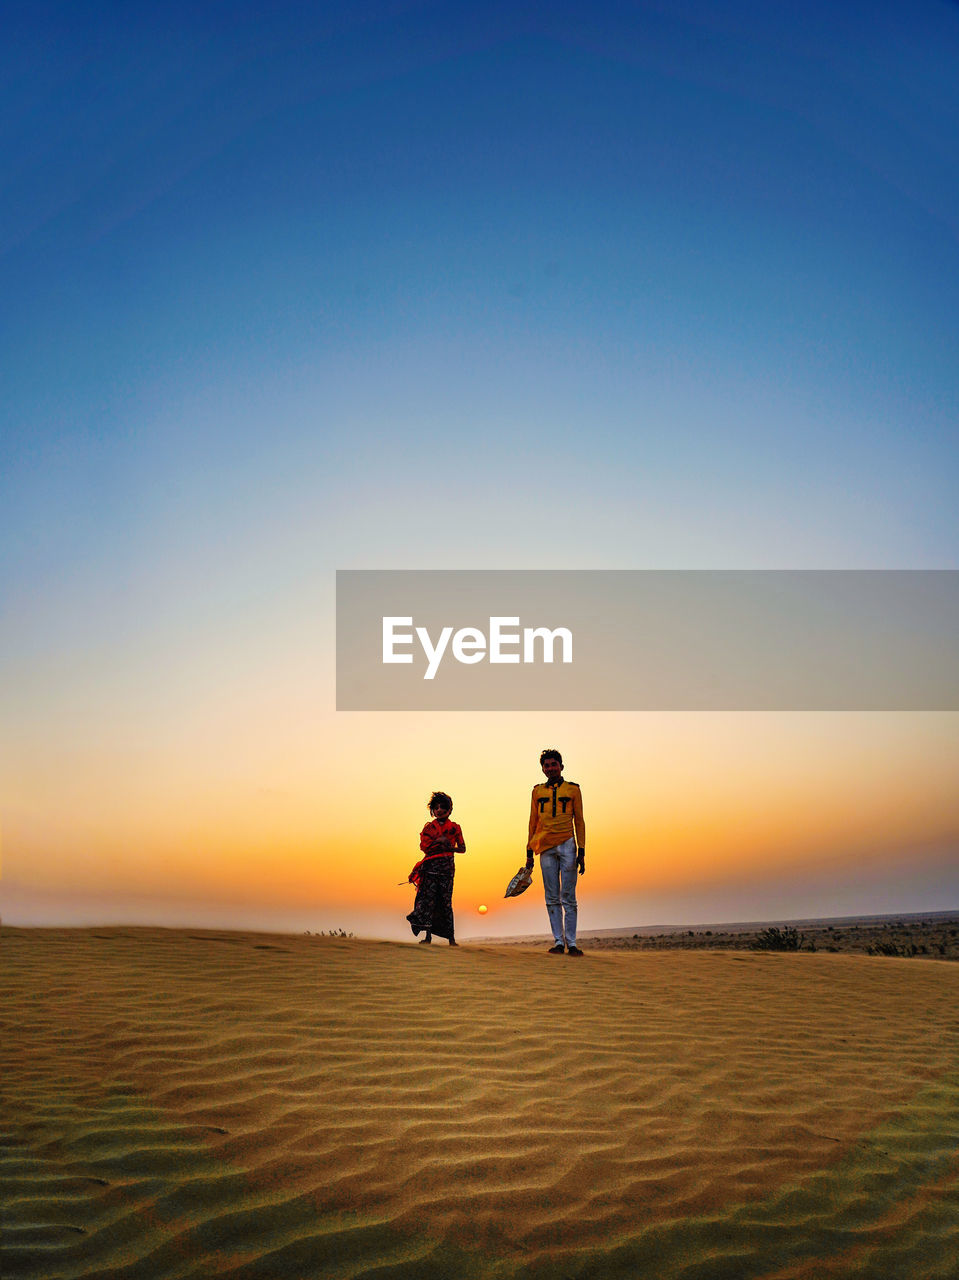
(193,1104)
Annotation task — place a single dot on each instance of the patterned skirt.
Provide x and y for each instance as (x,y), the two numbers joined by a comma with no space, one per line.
(433,907)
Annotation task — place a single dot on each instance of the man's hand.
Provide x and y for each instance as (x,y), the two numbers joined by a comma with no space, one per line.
(581,861)
(529,859)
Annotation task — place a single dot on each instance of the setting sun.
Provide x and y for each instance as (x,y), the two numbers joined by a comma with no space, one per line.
(482,910)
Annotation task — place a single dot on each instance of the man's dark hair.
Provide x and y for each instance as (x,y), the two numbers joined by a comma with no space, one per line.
(440,798)
(551,754)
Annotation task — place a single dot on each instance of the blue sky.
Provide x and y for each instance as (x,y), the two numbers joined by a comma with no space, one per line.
(713,251)
(296,287)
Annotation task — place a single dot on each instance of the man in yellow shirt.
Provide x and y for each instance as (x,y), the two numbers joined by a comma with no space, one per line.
(557,833)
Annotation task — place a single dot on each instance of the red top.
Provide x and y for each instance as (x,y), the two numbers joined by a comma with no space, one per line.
(433,830)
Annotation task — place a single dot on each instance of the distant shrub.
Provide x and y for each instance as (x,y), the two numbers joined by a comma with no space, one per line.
(890,949)
(776,939)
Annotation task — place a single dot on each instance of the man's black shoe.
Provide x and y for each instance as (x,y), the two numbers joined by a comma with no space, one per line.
(574,951)
(557,950)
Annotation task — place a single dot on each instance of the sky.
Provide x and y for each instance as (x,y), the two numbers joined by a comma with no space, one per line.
(391,285)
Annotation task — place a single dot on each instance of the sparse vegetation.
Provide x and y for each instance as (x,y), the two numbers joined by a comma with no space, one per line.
(776,939)
(331,933)
(935,938)
(891,949)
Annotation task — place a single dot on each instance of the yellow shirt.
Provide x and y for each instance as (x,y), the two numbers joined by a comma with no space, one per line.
(556,813)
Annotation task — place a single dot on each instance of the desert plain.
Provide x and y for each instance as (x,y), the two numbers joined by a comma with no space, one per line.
(197,1103)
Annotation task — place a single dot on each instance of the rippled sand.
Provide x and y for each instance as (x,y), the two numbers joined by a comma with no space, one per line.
(239,1105)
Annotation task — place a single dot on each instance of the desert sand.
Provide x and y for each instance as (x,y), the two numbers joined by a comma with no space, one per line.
(209,1104)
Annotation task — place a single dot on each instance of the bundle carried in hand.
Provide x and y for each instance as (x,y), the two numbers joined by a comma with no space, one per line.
(519,883)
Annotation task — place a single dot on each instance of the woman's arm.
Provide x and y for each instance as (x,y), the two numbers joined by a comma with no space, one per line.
(433,842)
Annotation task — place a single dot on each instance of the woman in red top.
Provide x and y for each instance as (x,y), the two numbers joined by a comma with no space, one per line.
(440,839)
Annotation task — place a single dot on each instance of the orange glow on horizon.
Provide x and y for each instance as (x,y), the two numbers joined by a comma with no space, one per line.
(333,818)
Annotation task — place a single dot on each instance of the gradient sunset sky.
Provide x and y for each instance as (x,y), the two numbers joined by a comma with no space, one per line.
(293,288)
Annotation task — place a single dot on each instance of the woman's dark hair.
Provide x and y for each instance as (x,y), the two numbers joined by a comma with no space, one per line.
(440,798)
(551,754)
